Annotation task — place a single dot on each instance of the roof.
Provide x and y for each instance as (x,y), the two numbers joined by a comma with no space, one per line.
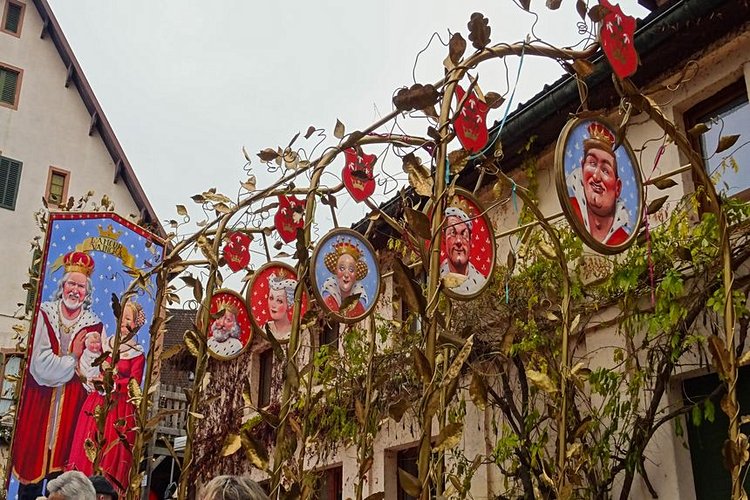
(665,40)
(123,169)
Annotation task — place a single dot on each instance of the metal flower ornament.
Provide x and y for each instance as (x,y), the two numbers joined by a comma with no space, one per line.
(616,36)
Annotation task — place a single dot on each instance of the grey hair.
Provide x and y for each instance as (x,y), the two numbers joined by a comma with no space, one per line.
(73,485)
(89,291)
(225,335)
(233,488)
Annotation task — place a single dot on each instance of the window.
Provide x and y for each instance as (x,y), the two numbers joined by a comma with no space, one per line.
(11,364)
(10,86)
(265,378)
(407,460)
(711,478)
(726,113)
(57,186)
(329,485)
(329,336)
(10,178)
(13,17)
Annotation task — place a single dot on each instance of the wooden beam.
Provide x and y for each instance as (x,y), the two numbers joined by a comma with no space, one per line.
(45,28)
(94,123)
(69,76)
(118,171)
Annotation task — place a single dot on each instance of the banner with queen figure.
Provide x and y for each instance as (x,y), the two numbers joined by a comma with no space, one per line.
(88,258)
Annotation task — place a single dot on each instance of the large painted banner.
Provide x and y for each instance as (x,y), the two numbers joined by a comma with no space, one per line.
(88,258)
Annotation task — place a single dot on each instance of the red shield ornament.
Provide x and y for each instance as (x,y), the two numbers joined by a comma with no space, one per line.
(290,217)
(616,35)
(357,174)
(236,251)
(471,124)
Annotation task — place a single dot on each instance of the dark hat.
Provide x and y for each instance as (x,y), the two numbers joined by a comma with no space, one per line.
(102,486)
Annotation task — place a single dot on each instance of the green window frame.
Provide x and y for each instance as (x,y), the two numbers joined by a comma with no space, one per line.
(10,180)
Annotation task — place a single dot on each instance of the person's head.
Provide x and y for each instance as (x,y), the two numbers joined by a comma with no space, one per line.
(601,182)
(457,236)
(71,485)
(347,264)
(233,488)
(225,326)
(103,488)
(280,295)
(75,288)
(93,342)
(133,318)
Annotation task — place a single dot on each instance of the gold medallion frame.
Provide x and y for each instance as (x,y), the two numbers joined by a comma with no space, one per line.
(376,272)
(563,193)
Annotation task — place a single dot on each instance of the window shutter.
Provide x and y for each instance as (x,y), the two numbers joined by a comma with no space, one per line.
(8,82)
(10,176)
(13,18)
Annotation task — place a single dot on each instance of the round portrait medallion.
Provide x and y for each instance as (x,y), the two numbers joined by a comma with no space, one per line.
(467,246)
(599,185)
(345,275)
(229,331)
(271,298)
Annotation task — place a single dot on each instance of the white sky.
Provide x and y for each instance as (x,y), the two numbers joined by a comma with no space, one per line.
(186,83)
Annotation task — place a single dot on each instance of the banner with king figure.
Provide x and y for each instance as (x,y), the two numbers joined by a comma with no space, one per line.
(88,259)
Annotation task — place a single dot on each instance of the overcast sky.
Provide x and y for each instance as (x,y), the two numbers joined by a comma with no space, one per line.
(186,83)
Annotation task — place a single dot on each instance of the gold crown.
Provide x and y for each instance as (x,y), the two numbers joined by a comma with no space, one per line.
(109,232)
(227,304)
(345,246)
(461,203)
(470,134)
(599,132)
(78,262)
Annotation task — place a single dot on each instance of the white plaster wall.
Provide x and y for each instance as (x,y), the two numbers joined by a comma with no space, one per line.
(49,128)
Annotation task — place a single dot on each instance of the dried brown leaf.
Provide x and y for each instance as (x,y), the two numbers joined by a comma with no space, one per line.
(726,142)
(494,100)
(449,437)
(479,30)
(409,483)
(655,205)
(268,155)
(419,176)
(339,130)
(581,8)
(665,183)
(418,222)
(542,381)
(456,48)
(231,445)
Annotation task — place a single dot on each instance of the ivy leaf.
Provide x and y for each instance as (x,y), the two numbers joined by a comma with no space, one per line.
(339,130)
(231,445)
(458,160)
(417,96)
(181,210)
(726,142)
(553,4)
(192,341)
(449,437)
(479,30)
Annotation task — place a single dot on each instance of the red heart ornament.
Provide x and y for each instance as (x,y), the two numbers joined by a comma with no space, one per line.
(236,251)
(471,124)
(290,217)
(616,35)
(357,174)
